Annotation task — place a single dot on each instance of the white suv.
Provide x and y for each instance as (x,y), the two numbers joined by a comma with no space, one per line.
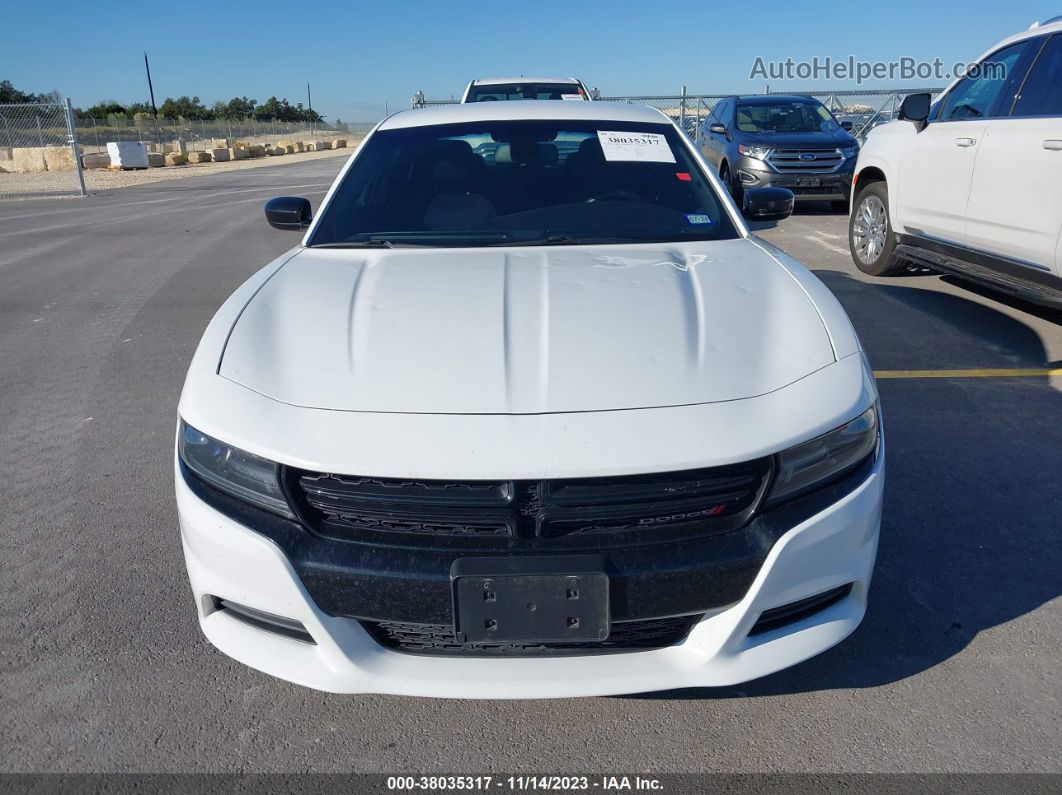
(510,88)
(972,186)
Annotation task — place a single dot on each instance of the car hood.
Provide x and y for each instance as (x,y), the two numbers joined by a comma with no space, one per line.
(526,330)
(806,140)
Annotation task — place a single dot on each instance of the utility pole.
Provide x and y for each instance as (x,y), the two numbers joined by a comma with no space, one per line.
(151,89)
(154,110)
(309,103)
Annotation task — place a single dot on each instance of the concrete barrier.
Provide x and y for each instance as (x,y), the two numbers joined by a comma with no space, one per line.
(128,154)
(221,143)
(28,158)
(256,150)
(101,160)
(238,153)
(59,158)
(176,159)
(219,155)
(156,159)
(199,157)
(339,143)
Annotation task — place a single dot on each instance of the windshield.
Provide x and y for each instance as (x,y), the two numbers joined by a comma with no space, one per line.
(800,116)
(507,91)
(523,183)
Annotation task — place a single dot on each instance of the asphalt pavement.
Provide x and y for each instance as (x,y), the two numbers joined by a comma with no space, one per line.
(957,666)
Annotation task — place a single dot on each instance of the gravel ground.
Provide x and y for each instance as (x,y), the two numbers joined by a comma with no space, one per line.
(58,183)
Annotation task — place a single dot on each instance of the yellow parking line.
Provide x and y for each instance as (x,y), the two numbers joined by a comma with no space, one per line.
(983,373)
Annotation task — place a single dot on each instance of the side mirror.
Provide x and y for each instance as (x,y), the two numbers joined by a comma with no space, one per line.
(847,126)
(717,128)
(915,108)
(288,212)
(767,204)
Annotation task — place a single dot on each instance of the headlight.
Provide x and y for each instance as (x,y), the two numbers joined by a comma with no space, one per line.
(850,151)
(758,152)
(233,471)
(812,464)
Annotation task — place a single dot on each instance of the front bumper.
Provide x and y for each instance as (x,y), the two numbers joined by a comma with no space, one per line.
(834,546)
(810,186)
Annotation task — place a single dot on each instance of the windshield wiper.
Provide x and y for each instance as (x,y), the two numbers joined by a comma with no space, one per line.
(358,244)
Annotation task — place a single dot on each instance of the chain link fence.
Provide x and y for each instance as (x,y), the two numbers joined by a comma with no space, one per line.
(865,109)
(198,134)
(39,137)
(45,146)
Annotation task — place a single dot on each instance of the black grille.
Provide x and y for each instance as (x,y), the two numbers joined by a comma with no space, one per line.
(438,639)
(497,512)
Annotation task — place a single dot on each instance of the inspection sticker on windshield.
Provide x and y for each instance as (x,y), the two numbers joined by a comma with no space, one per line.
(694,218)
(635,146)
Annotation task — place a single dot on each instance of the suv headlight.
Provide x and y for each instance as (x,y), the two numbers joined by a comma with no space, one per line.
(812,464)
(850,151)
(758,152)
(233,471)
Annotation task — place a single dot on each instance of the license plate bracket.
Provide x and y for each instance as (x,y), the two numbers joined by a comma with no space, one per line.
(809,182)
(538,599)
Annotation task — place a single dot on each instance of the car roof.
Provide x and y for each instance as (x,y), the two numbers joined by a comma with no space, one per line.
(493,81)
(1034,30)
(764,99)
(514,111)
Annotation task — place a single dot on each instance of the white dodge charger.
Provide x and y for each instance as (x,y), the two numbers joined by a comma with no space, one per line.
(528,413)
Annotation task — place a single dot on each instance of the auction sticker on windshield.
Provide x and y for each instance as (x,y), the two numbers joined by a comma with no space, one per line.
(635,146)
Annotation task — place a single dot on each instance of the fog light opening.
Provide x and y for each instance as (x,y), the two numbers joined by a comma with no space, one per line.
(278,625)
(797,611)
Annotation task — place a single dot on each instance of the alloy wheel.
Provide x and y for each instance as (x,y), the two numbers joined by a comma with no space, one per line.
(870,229)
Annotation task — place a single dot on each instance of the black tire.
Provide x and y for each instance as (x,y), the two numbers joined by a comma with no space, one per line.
(839,206)
(735,190)
(871,240)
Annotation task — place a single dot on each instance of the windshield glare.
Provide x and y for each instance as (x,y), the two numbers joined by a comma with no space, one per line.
(790,116)
(523,183)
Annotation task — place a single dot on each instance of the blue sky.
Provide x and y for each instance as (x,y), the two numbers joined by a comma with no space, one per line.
(359,56)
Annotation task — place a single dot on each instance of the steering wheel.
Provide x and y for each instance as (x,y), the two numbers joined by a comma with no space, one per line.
(615,195)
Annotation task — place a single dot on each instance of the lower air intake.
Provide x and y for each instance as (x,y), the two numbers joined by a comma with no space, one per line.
(438,639)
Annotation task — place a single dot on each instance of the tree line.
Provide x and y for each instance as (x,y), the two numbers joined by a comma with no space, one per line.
(272,109)
(10,94)
(186,107)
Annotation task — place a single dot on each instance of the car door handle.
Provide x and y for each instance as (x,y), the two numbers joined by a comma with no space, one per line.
(1054,144)
(965,141)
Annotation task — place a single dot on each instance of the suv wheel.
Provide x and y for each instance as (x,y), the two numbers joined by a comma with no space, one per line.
(870,236)
(728,180)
